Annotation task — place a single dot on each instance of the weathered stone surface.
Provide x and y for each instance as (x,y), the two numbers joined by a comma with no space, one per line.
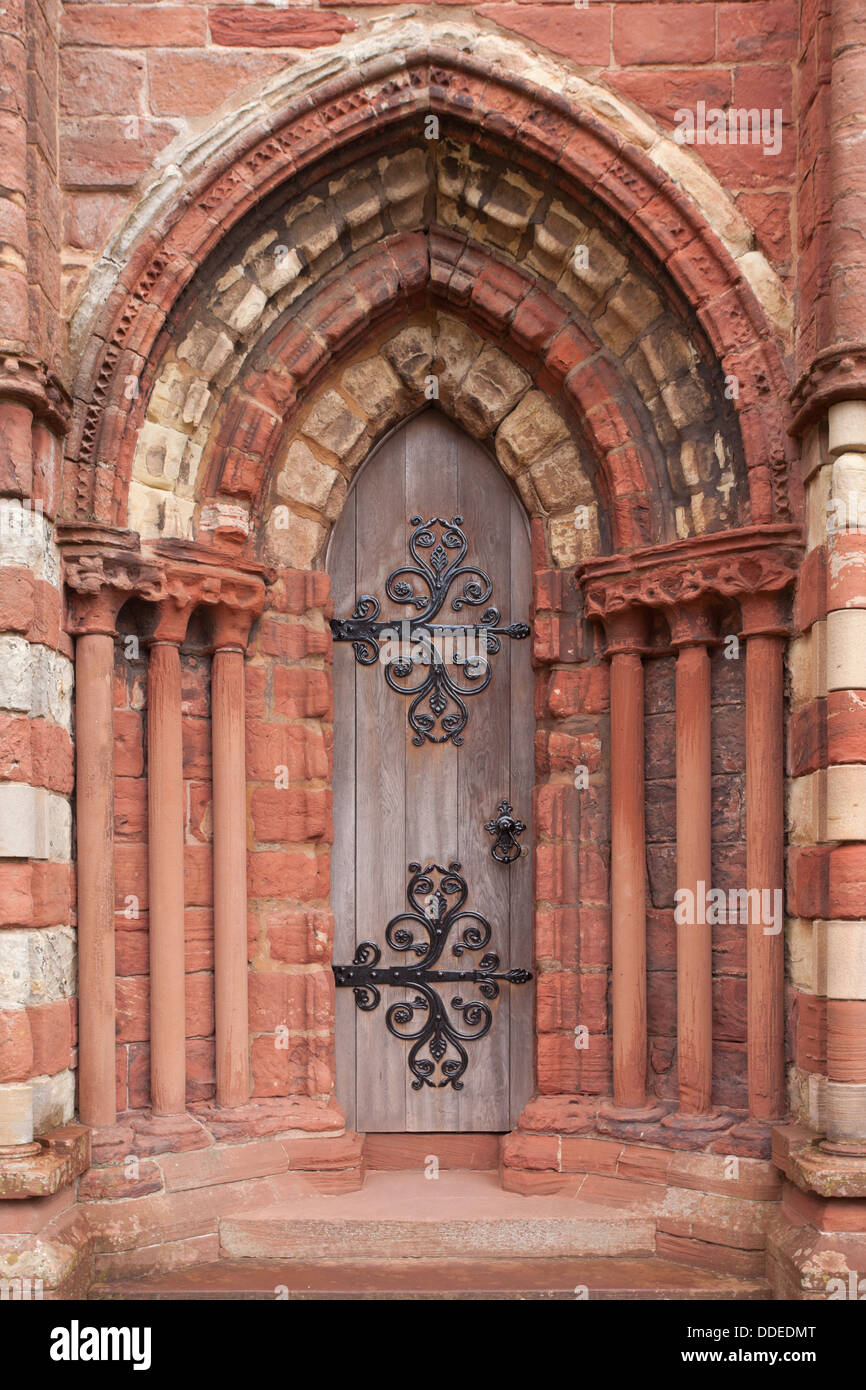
(492,386)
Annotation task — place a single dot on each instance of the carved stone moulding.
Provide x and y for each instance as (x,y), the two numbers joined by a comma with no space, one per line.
(836,374)
(692,574)
(103,567)
(29,381)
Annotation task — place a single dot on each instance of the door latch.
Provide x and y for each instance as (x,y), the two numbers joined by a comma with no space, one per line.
(506,828)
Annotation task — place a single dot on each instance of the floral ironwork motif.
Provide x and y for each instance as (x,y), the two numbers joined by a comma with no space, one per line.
(438,711)
(437,898)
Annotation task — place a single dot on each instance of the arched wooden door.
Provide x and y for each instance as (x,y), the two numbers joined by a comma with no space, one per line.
(418,775)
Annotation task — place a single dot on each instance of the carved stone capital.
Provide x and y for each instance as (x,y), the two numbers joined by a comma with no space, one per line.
(688,579)
(693,623)
(627,630)
(835,374)
(102,568)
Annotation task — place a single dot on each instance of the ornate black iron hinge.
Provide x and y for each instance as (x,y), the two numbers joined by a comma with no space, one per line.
(445,653)
(435,917)
(506,828)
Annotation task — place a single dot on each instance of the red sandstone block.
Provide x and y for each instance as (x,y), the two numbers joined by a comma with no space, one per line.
(119,1181)
(255,692)
(846,1040)
(16,600)
(846,889)
(133,26)
(16,1045)
(241,475)
(662,33)
(299,748)
(199,1005)
(53,757)
(554,639)
(132,1016)
(268,1002)
(199,816)
(750,30)
(846,726)
(300,591)
(531,1151)
(130,808)
(35,895)
(191,84)
(101,83)
(846,572)
(109,151)
(51,1031)
(808,738)
(811,595)
(263,27)
(808,876)
(556,873)
(809,1027)
(557,811)
(292,641)
(16,421)
(302,692)
(582,691)
(291,815)
(582,35)
(557,1003)
(128,743)
(196,747)
(299,937)
(663,93)
(557,935)
(198,875)
(593,874)
(300,876)
(595,940)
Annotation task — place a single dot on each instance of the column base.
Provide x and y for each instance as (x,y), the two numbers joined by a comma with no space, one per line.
(633,1114)
(685,1122)
(47,1165)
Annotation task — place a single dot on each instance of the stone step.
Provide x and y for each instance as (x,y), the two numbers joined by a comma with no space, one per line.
(459,1215)
(621,1277)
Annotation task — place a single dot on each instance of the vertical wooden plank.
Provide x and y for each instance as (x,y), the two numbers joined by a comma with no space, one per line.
(380,835)
(341,566)
(522,730)
(431,770)
(484,501)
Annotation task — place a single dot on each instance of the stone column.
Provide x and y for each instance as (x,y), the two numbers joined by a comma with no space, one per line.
(165,798)
(94,806)
(626,635)
(102,569)
(765,634)
(692,631)
(231,630)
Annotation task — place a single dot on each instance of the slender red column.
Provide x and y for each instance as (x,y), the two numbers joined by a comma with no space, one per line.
(628,879)
(694,875)
(230,859)
(765,848)
(165,865)
(626,640)
(94,804)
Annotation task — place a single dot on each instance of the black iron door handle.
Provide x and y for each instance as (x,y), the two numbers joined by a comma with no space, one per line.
(506,828)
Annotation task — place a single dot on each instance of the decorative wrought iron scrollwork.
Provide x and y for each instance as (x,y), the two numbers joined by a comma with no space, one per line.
(506,828)
(438,711)
(436,908)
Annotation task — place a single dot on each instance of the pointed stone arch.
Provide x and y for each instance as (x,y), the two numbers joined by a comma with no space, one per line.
(575,148)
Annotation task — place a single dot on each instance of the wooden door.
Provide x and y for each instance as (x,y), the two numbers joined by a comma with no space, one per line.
(414,784)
